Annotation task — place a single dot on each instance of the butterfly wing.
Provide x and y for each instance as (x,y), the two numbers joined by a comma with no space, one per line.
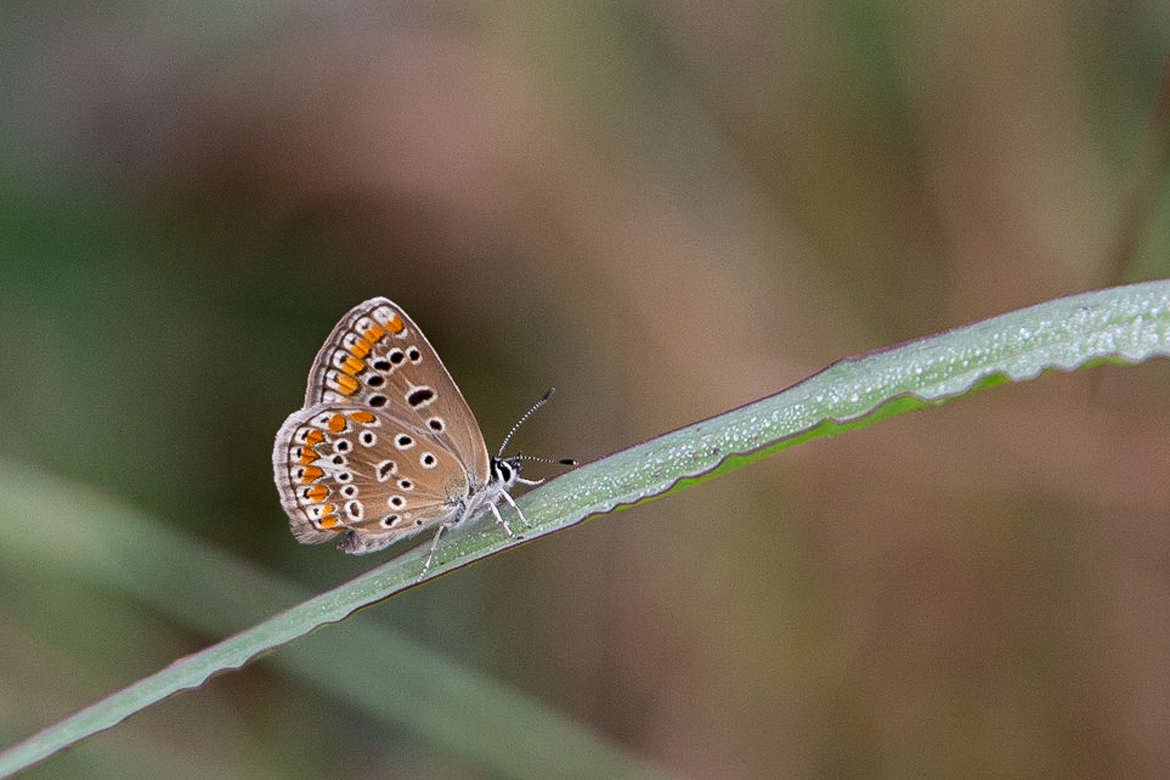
(364,474)
(377,358)
(385,445)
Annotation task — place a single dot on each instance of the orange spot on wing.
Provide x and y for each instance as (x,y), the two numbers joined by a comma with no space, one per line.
(308,455)
(317,493)
(374,333)
(352,365)
(346,384)
(329,522)
(365,418)
(360,347)
(395,325)
(314,437)
(311,474)
(337,423)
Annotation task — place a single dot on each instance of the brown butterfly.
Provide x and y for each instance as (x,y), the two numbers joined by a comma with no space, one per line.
(385,446)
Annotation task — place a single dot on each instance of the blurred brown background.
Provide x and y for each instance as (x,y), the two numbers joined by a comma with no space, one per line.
(666,210)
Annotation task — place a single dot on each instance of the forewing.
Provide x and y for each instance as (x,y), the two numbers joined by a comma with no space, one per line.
(364,476)
(378,359)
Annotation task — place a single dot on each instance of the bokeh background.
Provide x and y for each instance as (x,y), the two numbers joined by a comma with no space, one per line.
(665,209)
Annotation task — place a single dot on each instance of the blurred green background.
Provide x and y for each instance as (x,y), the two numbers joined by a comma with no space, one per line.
(665,210)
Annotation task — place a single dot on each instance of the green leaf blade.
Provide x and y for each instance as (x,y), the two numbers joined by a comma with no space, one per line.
(1124,325)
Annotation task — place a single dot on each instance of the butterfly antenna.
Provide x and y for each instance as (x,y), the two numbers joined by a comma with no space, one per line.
(538,459)
(524,418)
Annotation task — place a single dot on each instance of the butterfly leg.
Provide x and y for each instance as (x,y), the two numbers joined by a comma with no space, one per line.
(431,553)
(512,503)
(500,518)
(523,481)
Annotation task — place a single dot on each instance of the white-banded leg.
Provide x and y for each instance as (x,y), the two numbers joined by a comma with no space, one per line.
(431,553)
(500,521)
(512,502)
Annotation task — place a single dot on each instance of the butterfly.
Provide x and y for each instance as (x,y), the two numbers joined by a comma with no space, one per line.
(385,445)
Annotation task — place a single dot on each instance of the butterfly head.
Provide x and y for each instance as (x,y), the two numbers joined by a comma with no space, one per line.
(505,471)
